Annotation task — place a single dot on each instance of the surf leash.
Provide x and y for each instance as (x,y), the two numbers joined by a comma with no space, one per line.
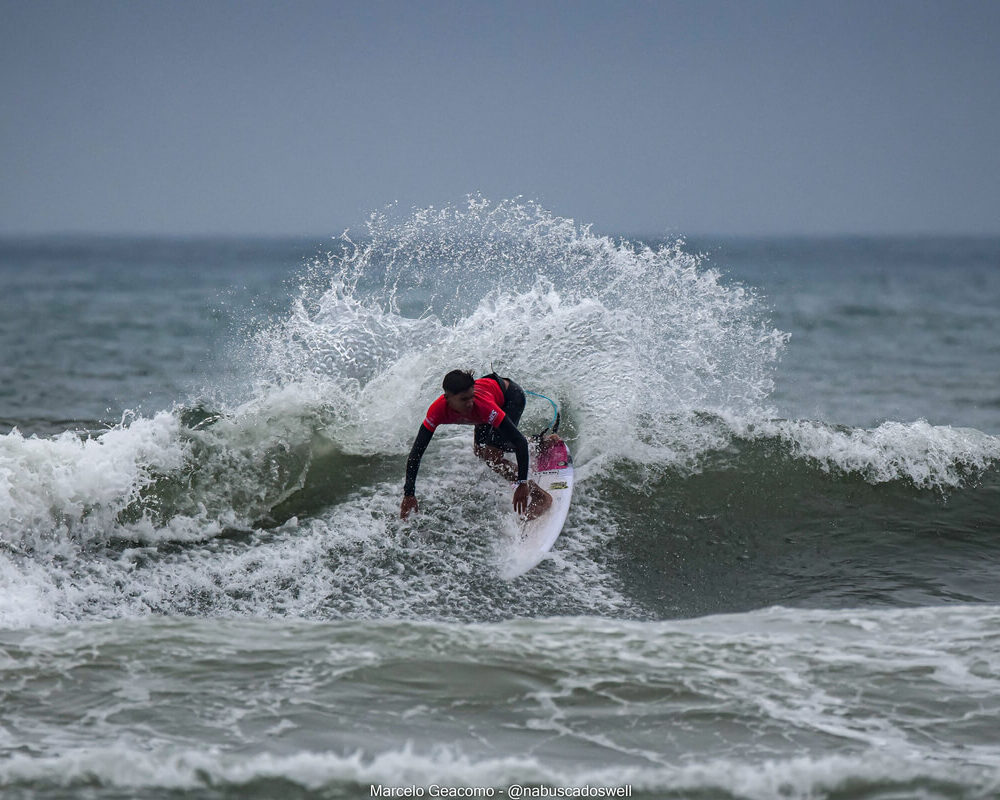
(554,425)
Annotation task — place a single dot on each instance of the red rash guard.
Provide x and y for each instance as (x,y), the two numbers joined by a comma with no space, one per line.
(486,401)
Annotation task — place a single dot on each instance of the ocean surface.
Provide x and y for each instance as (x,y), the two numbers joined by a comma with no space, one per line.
(778,578)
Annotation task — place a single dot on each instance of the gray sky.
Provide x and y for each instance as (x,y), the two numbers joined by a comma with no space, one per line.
(639,117)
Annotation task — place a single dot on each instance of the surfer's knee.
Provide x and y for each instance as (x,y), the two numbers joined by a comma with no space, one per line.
(487,452)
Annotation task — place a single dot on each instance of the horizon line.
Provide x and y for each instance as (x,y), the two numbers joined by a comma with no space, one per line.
(360,233)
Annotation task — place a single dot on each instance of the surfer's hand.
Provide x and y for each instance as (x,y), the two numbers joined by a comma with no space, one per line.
(521,497)
(409,504)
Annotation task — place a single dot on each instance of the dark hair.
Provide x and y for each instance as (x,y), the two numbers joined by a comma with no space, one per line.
(457,381)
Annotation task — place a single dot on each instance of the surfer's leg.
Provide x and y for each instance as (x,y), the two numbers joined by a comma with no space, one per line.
(514,402)
(486,449)
(540,500)
(494,458)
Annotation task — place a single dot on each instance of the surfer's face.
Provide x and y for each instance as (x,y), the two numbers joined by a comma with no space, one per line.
(461,403)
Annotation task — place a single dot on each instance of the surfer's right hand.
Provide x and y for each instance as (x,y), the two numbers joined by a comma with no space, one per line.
(521,497)
(409,504)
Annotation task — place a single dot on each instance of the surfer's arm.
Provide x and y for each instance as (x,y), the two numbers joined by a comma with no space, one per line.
(515,437)
(413,461)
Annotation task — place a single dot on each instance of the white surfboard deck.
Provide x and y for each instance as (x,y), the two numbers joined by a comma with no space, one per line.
(552,470)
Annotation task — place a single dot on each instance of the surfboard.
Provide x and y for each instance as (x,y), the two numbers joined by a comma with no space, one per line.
(552,470)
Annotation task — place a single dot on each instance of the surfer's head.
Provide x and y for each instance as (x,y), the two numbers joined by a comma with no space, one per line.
(457,381)
(459,389)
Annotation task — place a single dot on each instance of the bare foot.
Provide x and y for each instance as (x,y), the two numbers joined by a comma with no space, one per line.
(541,501)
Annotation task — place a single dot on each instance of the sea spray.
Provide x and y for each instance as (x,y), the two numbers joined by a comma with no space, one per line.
(629,337)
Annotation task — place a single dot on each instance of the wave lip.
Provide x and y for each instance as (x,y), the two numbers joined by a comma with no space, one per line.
(68,480)
(928,456)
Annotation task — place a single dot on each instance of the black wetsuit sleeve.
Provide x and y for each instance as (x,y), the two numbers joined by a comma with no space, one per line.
(413,461)
(515,437)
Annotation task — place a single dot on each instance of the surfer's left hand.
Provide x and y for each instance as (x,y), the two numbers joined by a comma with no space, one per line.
(522,494)
(409,504)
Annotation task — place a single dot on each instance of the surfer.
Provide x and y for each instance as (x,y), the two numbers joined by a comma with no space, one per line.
(494,405)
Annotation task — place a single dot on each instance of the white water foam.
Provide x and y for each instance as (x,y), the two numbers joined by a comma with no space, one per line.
(804,778)
(928,456)
(645,349)
(765,704)
(61,484)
